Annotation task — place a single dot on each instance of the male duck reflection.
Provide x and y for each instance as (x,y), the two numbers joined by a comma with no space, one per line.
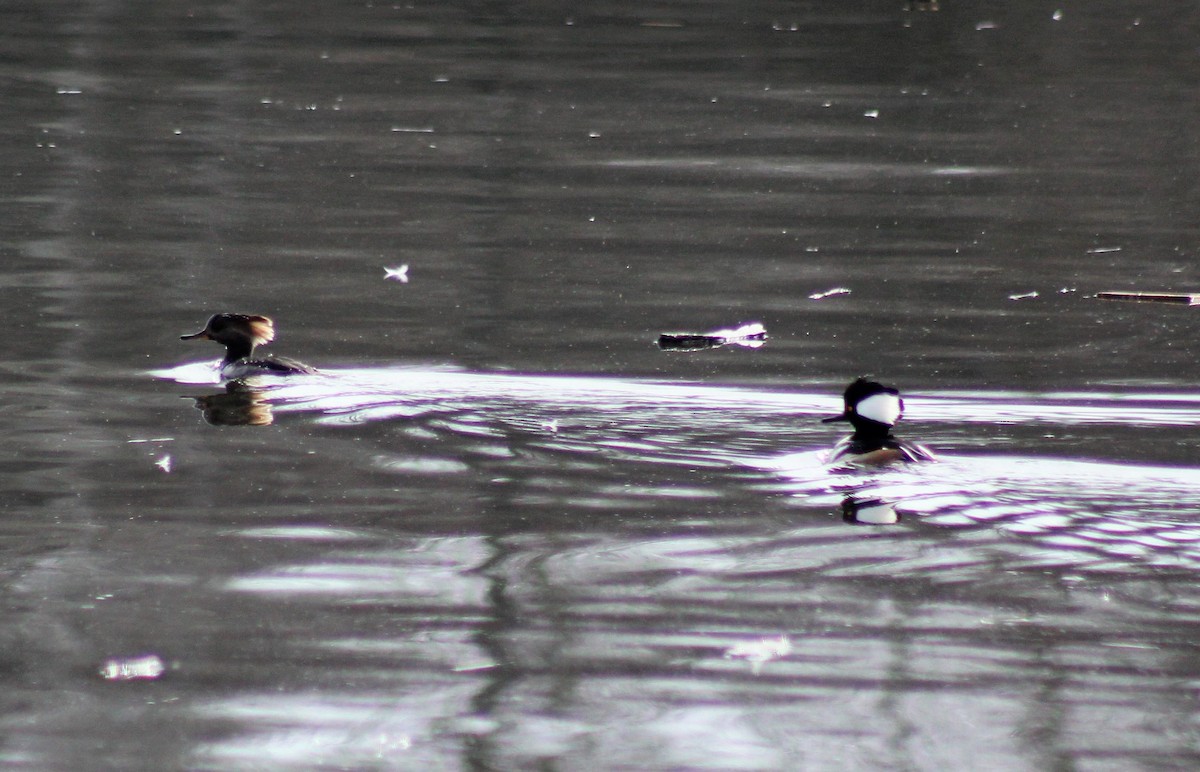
(240,333)
(873,409)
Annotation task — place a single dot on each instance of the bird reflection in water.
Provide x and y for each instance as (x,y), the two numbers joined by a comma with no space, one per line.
(239,405)
(872,511)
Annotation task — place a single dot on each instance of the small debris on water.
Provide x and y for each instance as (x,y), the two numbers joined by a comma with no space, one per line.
(399,273)
(760,651)
(144,668)
(164,463)
(1024,295)
(829,293)
(1102,250)
(751,335)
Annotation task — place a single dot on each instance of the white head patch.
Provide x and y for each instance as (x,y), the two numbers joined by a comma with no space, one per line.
(884,408)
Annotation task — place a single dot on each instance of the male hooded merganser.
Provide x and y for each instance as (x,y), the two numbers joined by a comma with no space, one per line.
(873,409)
(240,333)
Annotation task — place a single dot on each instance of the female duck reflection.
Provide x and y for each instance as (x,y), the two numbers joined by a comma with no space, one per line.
(873,410)
(242,404)
(239,405)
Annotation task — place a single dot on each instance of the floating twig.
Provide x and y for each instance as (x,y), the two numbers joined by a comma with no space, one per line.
(750,335)
(1180,298)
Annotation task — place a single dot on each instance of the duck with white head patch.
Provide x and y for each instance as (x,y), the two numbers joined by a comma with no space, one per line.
(873,409)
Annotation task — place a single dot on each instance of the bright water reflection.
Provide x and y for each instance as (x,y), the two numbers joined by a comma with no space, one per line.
(1018,589)
(1084,512)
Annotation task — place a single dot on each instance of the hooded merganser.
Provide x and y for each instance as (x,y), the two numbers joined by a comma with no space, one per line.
(240,333)
(873,409)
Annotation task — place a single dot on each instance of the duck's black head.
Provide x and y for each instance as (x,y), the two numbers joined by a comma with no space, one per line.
(239,333)
(870,407)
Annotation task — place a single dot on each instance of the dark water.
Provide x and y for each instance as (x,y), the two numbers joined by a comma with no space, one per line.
(503,530)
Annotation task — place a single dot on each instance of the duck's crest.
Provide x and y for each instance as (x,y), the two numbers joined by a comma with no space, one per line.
(262,329)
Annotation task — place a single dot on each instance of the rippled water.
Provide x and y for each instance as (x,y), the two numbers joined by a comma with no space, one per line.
(502,529)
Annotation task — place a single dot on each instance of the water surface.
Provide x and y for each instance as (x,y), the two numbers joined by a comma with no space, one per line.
(502,529)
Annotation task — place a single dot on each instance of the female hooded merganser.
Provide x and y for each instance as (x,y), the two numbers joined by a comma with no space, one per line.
(873,409)
(240,333)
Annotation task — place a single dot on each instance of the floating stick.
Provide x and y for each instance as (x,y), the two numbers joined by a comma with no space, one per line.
(1181,298)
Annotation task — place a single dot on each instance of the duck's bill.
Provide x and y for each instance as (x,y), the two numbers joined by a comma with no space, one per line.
(194,335)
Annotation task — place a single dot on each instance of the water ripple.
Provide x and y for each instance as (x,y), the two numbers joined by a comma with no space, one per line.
(1084,513)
